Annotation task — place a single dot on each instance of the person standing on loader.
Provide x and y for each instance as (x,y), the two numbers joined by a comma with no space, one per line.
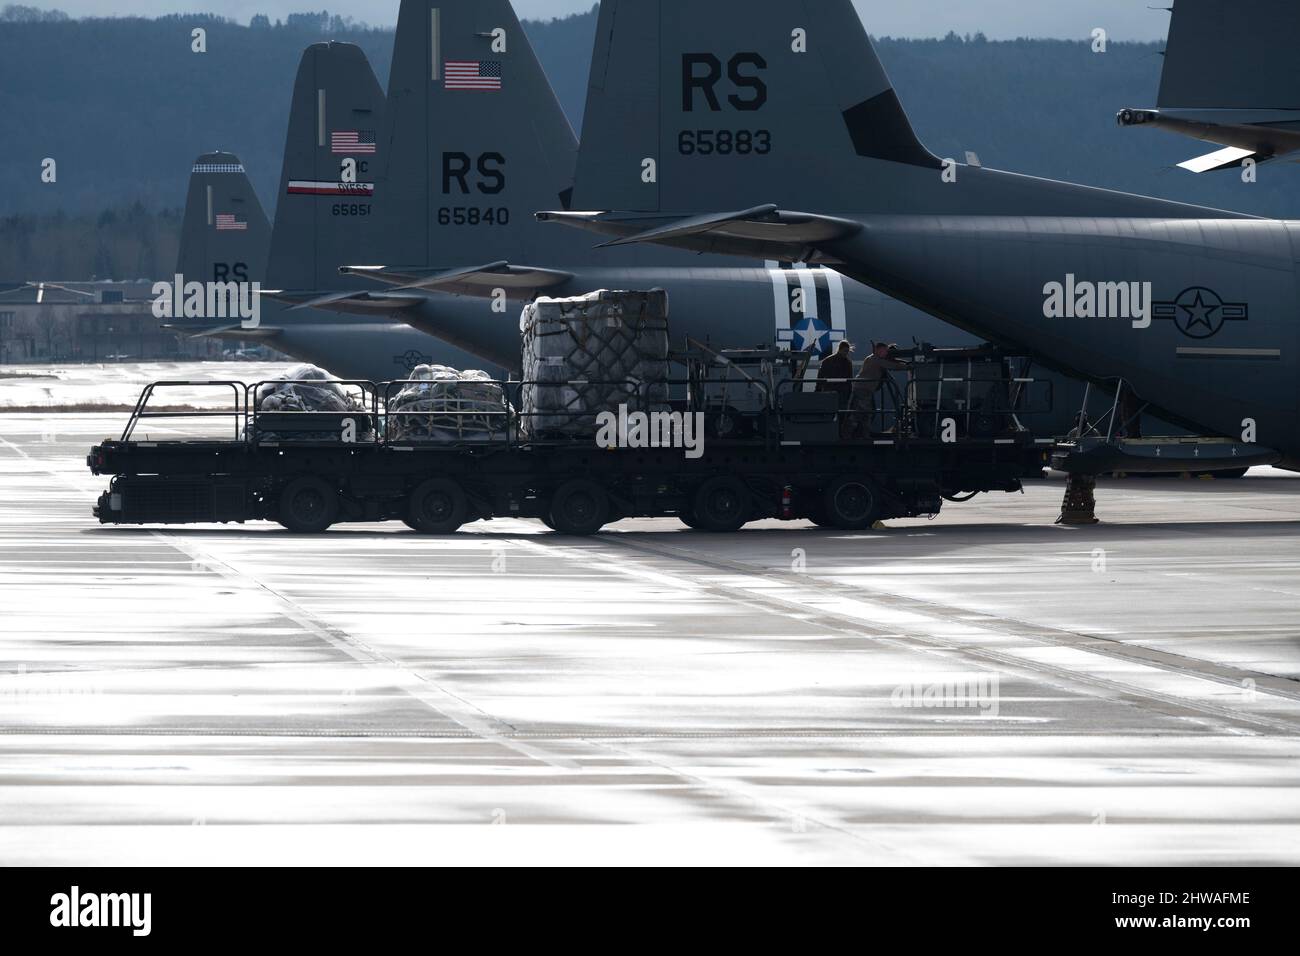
(836,376)
(870,379)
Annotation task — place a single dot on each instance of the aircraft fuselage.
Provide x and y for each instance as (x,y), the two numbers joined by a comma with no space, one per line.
(1198,315)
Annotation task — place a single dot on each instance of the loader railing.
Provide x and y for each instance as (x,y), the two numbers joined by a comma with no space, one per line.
(488,412)
(908,404)
(237,413)
(412,412)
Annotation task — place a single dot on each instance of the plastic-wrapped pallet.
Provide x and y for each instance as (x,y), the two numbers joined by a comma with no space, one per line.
(440,404)
(305,388)
(590,354)
(293,392)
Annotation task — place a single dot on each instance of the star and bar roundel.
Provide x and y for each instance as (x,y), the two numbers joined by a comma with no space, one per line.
(1200,313)
(810,310)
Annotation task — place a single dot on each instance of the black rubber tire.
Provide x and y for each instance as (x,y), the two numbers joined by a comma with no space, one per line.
(688,518)
(851,504)
(722,504)
(308,506)
(1234,475)
(580,508)
(438,506)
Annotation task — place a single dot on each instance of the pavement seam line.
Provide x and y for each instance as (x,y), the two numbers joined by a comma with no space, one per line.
(428,692)
(1273,685)
(1124,693)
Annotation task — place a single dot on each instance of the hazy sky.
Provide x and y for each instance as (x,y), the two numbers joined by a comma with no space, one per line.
(999,19)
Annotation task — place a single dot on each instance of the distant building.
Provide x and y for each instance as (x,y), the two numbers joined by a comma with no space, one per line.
(91,322)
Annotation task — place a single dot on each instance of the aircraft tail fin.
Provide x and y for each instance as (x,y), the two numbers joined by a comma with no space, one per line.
(225,234)
(1232,54)
(742,95)
(326,207)
(701,108)
(479,141)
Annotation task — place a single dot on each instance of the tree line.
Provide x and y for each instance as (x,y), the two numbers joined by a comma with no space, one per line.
(124,106)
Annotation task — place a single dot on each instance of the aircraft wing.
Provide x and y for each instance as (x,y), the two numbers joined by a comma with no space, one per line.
(481,281)
(763,232)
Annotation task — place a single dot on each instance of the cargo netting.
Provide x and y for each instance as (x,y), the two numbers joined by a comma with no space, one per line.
(591,354)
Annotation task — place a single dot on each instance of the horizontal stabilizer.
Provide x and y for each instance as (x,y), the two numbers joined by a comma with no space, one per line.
(763,232)
(472,281)
(1262,133)
(697,225)
(236,331)
(1219,159)
(351,303)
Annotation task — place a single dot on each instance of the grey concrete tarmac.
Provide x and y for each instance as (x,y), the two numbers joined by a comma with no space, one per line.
(985,688)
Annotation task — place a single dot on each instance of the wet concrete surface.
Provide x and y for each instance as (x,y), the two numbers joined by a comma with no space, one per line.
(983,688)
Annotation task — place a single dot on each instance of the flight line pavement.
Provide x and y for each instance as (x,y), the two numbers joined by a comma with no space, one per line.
(983,688)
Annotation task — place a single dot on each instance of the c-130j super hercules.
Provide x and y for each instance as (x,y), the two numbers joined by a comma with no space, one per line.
(1190,309)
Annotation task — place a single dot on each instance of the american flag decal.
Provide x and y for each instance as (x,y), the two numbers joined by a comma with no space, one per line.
(354,142)
(226,222)
(473,75)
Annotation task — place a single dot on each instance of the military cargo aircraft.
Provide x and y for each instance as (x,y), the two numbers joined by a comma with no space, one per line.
(477,142)
(1193,310)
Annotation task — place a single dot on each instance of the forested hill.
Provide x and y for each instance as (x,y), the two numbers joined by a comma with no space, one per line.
(125,106)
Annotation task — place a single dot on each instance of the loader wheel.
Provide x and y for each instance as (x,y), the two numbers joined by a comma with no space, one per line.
(437,507)
(579,508)
(687,517)
(851,504)
(722,504)
(308,506)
